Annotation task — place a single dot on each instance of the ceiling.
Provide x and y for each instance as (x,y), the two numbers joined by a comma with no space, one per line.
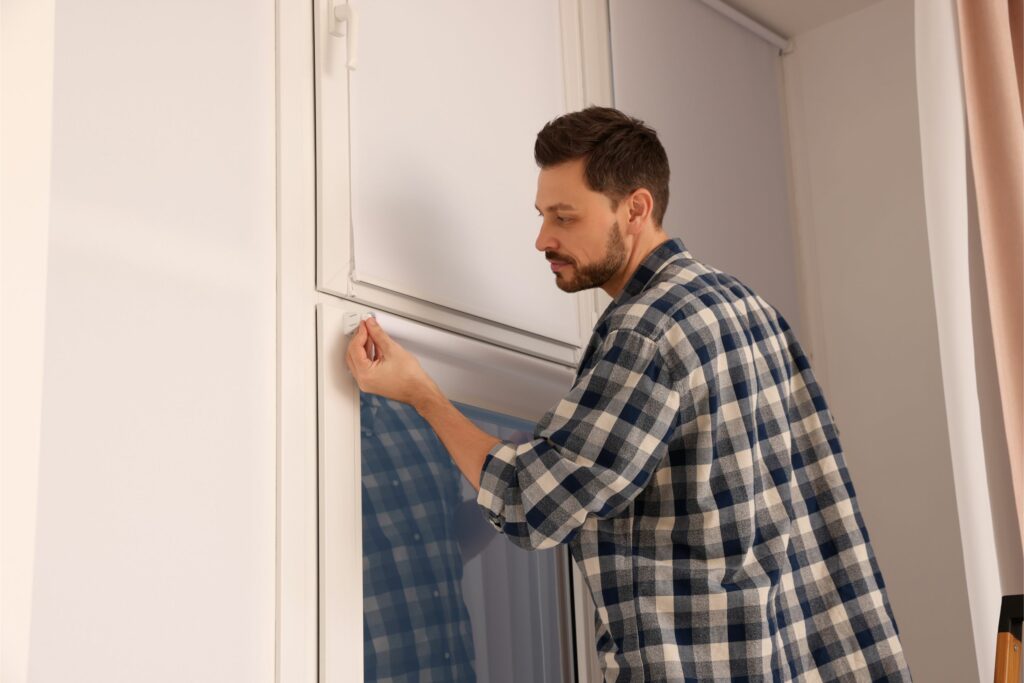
(790,18)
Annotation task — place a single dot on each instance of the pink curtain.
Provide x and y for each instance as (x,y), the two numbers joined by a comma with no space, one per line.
(990,47)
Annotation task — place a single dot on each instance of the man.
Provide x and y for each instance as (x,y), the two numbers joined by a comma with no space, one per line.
(694,468)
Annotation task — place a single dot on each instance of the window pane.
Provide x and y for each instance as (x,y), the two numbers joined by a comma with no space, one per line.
(445,597)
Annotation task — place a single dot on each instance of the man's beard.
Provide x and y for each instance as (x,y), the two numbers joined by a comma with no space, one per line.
(596,274)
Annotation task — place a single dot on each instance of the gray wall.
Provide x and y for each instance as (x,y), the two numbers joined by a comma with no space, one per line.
(802,175)
(711,89)
(854,118)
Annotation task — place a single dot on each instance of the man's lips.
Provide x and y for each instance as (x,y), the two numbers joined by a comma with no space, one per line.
(557,265)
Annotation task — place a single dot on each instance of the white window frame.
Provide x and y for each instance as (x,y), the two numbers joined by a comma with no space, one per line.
(340,531)
(336,270)
(298,630)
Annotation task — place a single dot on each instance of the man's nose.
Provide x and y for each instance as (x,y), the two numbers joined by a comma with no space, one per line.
(545,242)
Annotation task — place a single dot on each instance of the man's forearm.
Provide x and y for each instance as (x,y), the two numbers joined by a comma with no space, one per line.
(467,444)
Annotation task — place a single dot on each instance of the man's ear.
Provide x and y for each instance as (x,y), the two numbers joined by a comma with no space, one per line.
(641,204)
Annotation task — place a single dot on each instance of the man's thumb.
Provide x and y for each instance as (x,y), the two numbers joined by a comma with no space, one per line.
(377,333)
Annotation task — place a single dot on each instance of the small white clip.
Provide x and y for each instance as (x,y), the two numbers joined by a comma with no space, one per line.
(351,321)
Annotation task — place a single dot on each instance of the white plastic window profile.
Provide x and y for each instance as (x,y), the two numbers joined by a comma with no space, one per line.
(427,180)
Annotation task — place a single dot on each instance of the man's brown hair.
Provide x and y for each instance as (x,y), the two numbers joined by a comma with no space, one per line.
(620,154)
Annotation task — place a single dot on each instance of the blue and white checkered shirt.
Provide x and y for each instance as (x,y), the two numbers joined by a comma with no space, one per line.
(695,471)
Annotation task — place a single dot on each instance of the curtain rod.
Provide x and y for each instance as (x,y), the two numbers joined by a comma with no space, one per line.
(784,44)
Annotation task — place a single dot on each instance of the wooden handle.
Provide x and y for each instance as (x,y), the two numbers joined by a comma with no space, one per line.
(1007,658)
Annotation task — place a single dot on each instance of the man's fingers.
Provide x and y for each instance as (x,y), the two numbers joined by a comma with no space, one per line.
(368,347)
(377,334)
(360,356)
(357,348)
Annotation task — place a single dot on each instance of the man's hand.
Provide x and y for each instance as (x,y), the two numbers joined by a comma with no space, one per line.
(391,372)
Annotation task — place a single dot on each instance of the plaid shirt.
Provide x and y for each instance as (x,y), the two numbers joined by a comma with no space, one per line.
(695,471)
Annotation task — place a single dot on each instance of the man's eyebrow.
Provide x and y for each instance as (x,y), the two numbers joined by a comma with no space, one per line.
(559,205)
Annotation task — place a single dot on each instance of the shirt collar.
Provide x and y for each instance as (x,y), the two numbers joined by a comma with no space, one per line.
(670,250)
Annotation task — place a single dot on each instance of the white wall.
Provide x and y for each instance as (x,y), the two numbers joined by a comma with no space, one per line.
(155,532)
(26,80)
(885,303)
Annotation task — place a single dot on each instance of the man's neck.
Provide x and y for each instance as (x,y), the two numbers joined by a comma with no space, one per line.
(642,248)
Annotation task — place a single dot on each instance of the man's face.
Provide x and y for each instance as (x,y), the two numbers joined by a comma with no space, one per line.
(579,233)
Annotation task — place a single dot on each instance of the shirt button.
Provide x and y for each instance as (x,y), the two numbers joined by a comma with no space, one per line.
(437,593)
(416,536)
(447,655)
(394,482)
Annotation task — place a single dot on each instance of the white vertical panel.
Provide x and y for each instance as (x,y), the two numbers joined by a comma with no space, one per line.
(297,609)
(445,106)
(340,504)
(333,207)
(156,507)
(979,481)
(26,89)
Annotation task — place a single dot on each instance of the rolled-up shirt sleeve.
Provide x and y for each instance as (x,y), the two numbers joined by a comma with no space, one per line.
(592,454)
